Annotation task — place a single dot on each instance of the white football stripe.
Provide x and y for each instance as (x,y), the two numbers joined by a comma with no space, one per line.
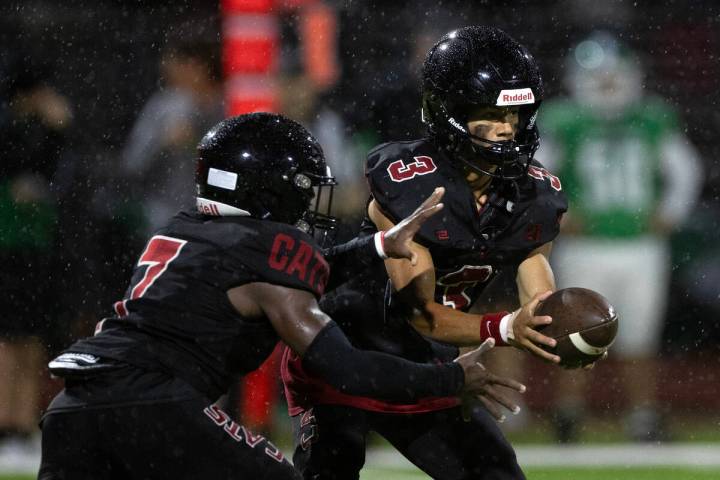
(585,347)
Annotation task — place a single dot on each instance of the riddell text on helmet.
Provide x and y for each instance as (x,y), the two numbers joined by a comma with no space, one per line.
(520,96)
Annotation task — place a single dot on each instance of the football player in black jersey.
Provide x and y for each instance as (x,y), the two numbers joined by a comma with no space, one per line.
(481,93)
(211,295)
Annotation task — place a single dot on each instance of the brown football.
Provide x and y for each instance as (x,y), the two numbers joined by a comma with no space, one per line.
(583,323)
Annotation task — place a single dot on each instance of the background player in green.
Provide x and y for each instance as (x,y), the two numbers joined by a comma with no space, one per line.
(631,177)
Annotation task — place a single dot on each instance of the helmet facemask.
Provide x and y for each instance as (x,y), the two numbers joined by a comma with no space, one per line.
(505,159)
(317,219)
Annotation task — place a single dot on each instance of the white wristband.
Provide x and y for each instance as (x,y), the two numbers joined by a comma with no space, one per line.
(379,240)
(506,324)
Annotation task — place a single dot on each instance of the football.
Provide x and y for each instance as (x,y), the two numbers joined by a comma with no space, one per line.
(584,324)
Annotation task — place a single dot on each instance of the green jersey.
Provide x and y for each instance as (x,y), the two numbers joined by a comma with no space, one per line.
(610,168)
(25,226)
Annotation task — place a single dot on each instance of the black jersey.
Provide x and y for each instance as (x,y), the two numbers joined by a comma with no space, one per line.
(469,247)
(176,316)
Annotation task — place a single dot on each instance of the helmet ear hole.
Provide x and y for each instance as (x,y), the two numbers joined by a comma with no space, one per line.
(302,182)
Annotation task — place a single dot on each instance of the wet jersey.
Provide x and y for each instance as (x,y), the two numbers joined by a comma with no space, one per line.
(469,248)
(176,316)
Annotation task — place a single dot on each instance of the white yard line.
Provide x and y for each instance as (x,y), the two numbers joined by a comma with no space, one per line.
(616,455)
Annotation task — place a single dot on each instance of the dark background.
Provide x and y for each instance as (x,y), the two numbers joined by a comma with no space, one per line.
(103,55)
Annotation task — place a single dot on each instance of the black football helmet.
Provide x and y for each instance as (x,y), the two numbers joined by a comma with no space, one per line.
(265,166)
(481,66)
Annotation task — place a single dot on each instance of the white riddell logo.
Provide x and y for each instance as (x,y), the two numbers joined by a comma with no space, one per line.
(455,124)
(520,96)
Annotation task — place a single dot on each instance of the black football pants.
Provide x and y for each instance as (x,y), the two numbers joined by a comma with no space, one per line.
(173,440)
(331,440)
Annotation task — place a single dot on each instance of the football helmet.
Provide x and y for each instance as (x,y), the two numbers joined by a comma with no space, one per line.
(265,166)
(603,74)
(481,66)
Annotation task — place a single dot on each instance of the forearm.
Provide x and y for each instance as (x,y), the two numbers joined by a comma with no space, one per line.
(348,259)
(527,290)
(458,328)
(360,372)
(535,275)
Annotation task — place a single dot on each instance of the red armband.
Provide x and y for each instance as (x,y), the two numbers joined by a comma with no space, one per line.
(490,327)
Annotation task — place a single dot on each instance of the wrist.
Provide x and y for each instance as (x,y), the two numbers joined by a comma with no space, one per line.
(379,240)
(456,378)
(491,326)
(506,327)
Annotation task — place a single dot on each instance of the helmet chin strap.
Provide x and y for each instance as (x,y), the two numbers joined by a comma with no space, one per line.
(498,173)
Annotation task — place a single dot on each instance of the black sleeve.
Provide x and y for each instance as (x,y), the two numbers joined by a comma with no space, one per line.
(348,259)
(375,374)
(443,351)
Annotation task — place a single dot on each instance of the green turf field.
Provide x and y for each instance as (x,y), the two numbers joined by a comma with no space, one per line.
(567,474)
(645,473)
(695,454)
(540,474)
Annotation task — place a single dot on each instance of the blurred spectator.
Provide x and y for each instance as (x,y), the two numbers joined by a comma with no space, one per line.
(34,120)
(158,157)
(302,101)
(632,177)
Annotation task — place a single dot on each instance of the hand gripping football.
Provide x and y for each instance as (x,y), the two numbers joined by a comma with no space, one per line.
(583,323)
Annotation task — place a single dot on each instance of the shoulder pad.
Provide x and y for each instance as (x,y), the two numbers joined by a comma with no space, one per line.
(542,178)
(541,204)
(402,175)
(281,254)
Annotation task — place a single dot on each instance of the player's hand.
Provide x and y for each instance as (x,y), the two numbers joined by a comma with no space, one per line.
(399,238)
(483,386)
(522,330)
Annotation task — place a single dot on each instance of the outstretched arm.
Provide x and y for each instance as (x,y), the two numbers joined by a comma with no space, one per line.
(416,284)
(349,258)
(326,351)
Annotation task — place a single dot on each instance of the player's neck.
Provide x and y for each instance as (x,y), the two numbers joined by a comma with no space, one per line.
(479,185)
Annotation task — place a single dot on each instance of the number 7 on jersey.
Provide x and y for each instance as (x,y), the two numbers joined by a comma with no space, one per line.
(158,254)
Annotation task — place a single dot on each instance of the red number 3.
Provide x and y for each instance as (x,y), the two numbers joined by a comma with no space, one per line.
(158,254)
(399,172)
(541,173)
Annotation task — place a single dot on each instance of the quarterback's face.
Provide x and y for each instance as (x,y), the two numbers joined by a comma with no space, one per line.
(496,124)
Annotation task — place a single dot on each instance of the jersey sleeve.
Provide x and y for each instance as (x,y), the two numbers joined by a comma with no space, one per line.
(546,207)
(401,175)
(400,178)
(281,255)
(353,257)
